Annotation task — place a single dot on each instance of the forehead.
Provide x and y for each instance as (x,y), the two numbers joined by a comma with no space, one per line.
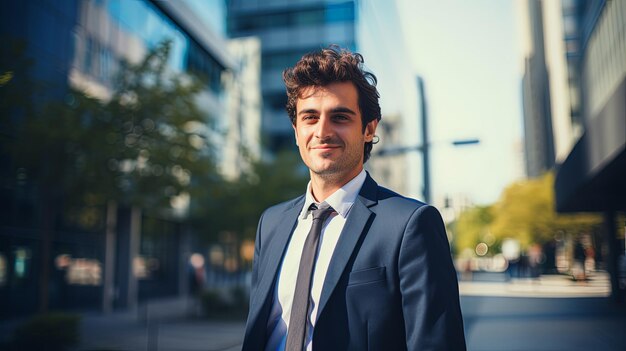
(340,93)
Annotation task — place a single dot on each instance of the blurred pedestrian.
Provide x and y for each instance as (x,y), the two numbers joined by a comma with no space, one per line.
(382,277)
(535,259)
(579,260)
(549,264)
(197,274)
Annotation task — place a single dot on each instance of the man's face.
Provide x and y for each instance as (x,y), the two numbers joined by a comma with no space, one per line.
(329,131)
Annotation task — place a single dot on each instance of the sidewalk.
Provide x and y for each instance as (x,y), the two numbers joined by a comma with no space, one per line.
(167,324)
(163,325)
(554,286)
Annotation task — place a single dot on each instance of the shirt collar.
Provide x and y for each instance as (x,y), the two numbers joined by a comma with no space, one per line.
(341,200)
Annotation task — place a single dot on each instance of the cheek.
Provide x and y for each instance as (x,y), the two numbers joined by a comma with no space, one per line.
(301,140)
(302,135)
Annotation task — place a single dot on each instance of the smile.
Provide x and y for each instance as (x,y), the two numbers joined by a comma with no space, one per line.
(325,147)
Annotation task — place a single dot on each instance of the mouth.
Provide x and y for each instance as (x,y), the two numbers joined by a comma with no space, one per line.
(325,147)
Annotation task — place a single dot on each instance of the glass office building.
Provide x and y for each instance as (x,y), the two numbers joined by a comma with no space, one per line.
(81,44)
(287,30)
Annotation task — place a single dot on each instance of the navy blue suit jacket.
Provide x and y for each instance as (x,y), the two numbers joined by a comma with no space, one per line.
(391,284)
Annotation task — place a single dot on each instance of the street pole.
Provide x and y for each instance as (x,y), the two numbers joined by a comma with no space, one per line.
(425,140)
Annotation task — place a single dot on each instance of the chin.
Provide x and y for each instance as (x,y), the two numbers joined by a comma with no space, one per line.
(324,165)
(327,170)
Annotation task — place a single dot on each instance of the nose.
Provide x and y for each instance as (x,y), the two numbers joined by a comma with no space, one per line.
(324,128)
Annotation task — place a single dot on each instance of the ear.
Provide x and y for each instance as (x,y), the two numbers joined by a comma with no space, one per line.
(370,130)
(295,133)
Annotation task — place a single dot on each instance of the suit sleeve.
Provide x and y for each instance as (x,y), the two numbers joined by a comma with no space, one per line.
(255,260)
(254,332)
(428,284)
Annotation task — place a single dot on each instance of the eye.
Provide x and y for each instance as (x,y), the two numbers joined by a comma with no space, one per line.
(341,118)
(308,117)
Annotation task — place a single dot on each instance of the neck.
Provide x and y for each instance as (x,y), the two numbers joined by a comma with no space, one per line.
(324,185)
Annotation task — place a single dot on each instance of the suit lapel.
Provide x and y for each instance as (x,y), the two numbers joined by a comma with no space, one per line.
(350,235)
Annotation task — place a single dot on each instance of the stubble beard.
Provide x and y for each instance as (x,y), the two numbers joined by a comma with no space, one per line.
(340,168)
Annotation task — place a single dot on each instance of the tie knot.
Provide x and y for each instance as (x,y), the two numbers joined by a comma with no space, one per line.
(322,211)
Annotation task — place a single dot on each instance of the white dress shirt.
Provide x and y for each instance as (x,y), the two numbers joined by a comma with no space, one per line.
(341,201)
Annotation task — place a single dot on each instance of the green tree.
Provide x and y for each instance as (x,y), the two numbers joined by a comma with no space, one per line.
(236,206)
(472,226)
(142,147)
(159,133)
(526,212)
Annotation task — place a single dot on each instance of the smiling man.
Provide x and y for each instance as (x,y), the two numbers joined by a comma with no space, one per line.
(349,265)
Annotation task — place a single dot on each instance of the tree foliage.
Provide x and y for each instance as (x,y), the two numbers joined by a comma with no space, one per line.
(158,132)
(236,206)
(472,226)
(142,147)
(525,211)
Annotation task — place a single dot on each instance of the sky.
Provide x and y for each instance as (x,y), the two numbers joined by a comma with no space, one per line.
(467,52)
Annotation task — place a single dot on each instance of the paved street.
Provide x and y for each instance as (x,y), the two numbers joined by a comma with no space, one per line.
(547,314)
(515,323)
(126,333)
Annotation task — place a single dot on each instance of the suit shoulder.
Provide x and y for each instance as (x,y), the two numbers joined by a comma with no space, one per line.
(399,206)
(278,209)
(391,198)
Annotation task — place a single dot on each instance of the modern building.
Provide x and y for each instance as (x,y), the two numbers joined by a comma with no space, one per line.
(81,44)
(538,135)
(243,138)
(287,30)
(590,178)
(585,55)
(562,58)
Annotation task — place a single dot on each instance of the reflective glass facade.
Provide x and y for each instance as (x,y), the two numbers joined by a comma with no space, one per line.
(115,30)
(293,17)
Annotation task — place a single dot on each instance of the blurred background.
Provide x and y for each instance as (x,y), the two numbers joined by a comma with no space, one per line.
(140,140)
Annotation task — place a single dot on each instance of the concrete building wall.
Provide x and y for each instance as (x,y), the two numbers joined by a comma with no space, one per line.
(243,139)
(538,134)
(565,132)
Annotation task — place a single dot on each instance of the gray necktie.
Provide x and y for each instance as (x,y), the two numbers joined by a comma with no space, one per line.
(300,306)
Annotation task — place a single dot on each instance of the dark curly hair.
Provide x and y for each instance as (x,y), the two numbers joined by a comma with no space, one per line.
(330,65)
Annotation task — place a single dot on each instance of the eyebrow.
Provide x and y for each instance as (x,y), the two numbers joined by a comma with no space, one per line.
(340,109)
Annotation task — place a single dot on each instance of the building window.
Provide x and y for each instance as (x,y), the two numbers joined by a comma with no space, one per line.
(305,18)
(87,56)
(276,101)
(21,262)
(3,270)
(281,142)
(341,12)
(281,60)
(205,67)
